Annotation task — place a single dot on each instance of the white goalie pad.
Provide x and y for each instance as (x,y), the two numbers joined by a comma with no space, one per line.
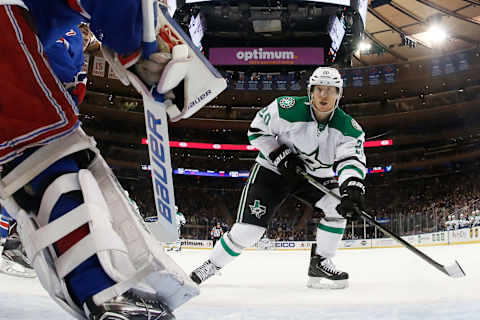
(127,251)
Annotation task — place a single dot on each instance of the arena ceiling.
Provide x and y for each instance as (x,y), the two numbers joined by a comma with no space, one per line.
(386,23)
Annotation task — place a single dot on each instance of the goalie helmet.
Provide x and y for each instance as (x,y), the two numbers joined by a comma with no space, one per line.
(325,76)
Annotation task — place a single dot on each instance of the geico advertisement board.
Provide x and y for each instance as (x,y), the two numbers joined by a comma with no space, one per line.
(290,245)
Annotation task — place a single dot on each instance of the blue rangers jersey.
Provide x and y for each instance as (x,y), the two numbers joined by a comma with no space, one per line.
(107,18)
(66,55)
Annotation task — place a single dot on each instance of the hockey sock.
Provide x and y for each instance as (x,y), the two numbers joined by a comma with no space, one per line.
(89,277)
(329,235)
(225,251)
(242,235)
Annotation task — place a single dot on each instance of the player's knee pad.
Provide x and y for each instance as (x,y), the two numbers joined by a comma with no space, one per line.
(329,206)
(127,252)
(244,235)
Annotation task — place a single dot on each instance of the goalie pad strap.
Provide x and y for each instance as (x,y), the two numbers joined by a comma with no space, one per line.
(54,231)
(63,184)
(47,276)
(85,248)
(40,160)
(123,286)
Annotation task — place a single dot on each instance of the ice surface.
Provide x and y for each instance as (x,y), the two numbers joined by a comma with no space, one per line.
(385,284)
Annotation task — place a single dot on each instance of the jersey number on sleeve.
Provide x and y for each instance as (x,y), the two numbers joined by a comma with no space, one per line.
(265,115)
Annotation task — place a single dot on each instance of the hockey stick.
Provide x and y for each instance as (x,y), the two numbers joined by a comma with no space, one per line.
(201,84)
(454,270)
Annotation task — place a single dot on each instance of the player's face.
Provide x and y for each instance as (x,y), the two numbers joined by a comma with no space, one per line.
(324,98)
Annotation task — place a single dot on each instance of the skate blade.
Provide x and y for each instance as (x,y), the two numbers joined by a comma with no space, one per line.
(326,284)
(14,269)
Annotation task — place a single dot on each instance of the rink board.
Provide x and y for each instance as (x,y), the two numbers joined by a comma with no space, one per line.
(443,238)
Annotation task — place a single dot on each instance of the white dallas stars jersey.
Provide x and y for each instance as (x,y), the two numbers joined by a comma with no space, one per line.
(180,219)
(336,146)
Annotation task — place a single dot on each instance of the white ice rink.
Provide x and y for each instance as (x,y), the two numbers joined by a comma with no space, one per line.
(384,284)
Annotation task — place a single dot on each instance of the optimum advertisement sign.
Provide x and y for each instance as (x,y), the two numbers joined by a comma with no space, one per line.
(266,56)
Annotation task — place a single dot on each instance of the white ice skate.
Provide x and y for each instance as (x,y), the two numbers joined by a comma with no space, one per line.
(15,269)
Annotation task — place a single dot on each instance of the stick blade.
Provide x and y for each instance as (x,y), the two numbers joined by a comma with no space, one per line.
(454,270)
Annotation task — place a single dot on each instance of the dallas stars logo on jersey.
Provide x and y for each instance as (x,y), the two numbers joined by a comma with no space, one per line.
(335,146)
(257,209)
(312,160)
(287,103)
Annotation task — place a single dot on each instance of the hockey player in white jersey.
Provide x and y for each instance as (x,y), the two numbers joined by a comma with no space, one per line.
(177,245)
(313,134)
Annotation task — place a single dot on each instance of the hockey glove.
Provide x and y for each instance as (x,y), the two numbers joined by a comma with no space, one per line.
(164,70)
(288,163)
(150,70)
(352,192)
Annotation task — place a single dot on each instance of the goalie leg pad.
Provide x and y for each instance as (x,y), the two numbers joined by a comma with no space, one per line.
(126,250)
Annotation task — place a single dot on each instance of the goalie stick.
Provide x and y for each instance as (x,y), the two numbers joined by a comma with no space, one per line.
(454,270)
(196,94)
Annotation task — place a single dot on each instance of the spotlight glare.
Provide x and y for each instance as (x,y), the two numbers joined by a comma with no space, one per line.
(437,34)
(364,46)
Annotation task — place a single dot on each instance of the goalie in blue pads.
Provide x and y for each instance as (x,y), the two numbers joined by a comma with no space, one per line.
(91,251)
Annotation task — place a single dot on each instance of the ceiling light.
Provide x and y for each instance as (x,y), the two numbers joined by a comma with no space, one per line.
(437,34)
(364,46)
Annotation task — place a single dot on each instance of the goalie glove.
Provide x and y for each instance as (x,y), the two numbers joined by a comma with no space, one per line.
(161,70)
(187,65)
(150,70)
(352,193)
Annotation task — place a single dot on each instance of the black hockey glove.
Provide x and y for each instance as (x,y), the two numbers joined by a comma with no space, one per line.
(352,192)
(287,163)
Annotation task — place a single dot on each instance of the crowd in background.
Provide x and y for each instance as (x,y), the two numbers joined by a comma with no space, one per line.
(408,207)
